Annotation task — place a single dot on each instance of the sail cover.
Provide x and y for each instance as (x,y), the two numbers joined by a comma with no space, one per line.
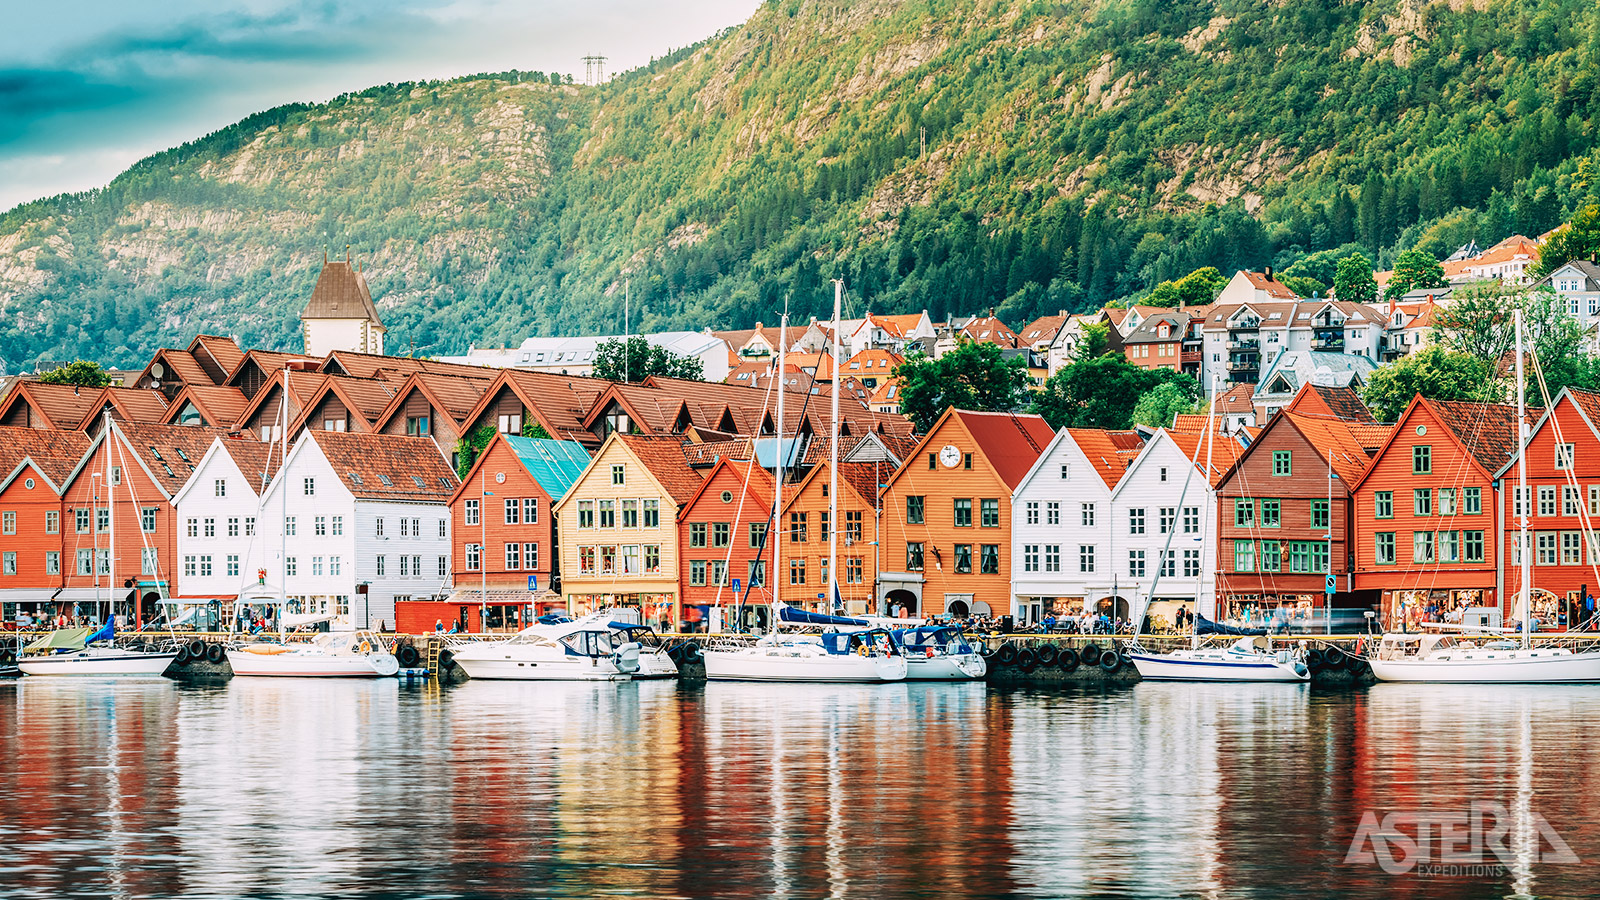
(1203,625)
(801,617)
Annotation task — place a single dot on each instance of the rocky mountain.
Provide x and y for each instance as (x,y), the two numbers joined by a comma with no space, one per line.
(940,154)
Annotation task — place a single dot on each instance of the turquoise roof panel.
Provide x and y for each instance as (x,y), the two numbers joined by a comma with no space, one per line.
(555,465)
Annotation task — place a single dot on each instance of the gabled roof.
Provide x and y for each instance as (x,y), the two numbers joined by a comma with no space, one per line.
(219,405)
(169,454)
(175,363)
(662,456)
(373,365)
(415,470)
(1236,400)
(62,406)
(898,326)
(1339,402)
(1223,451)
(361,397)
(555,465)
(341,293)
(758,479)
(1044,328)
(560,403)
(128,405)
(1109,452)
(988,329)
(1486,431)
(1011,442)
(1149,331)
(269,362)
(452,396)
(1273,287)
(1333,439)
(224,351)
(302,385)
(54,453)
(258,462)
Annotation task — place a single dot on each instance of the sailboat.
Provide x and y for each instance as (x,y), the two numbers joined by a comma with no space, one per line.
(869,656)
(1251,658)
(75,651)
(1409,657)
(358,654)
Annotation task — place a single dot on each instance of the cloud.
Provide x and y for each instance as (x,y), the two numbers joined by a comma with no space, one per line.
(172,70)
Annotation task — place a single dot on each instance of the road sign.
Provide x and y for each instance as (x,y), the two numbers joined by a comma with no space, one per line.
(533,582)
(736,585)
(1327,586)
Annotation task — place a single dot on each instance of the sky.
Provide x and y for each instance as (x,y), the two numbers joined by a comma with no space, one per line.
(88,87)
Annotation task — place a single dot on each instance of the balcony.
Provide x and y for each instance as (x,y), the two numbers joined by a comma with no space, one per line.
(1244,362)
(1249,343)
(1328,339)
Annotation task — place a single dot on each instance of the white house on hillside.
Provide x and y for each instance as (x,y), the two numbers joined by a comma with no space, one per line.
(362,522)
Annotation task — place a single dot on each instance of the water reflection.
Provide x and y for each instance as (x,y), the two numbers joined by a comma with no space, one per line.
(301,788)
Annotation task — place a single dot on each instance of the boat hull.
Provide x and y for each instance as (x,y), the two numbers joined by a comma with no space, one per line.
(655,664)
(101,664)
(509,665)
(1171,667)
(1569,668)
(759,665)
(965,667)
(308,665)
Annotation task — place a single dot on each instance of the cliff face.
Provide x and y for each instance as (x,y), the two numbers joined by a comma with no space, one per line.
(942,155)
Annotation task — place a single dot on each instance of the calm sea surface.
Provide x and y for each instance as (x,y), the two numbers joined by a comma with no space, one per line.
(286,788)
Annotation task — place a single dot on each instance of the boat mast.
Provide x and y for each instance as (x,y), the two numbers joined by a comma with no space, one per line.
(777,471)
(111,528)
(1327,599)
(836,598)
(1522,493)
(283,503)
(1200,583)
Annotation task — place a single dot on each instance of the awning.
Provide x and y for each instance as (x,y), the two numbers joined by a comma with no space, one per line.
(26,595)
(504,597)
(88,595)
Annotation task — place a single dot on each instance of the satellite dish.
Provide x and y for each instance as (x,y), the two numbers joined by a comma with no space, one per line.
(157,370)
(154,383)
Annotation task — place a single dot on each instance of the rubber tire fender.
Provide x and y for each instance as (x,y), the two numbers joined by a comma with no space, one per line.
(1048,654)
(1110,661)
(183,656)
(1067,660)
(1314,659)
(1334,658)
(197,649)
(407,656)
(691,652)
(1089,655)
(1027,660)
(216,653)
(1006,655)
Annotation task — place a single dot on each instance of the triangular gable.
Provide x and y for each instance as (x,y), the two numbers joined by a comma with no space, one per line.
(613,444)
(491,396)
(27,464)
(131,451)
(211,451)
(1581,402)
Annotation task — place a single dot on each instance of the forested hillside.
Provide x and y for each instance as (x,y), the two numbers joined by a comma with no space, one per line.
(937,153)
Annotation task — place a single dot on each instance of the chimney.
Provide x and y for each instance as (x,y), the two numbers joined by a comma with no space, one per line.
(1267,272)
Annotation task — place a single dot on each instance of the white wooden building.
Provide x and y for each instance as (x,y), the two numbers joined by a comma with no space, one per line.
(220,546)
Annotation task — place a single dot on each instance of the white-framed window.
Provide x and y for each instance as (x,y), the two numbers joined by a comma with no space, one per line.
(472,512)
(220,487)
(148,561)
(310,487)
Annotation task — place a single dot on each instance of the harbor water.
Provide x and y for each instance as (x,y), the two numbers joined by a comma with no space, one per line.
(306,788)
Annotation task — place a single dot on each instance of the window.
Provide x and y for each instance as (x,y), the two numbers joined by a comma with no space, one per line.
(1086,514)
(472,512)
(1563,456)
(205,566)
(1594,499)
(233,566)
(233,526)
(608,513)
(1033,514)
(619,474)
(1271,556)
(963,512)
(291,566)
(319,525)
(220,487)
(719,572)
(1271,513)
(417,425)
(1066,471)
(377,526)
(989,513)
(1422,546)
(1383,504)
(697,534)
(966,460)
(1471,546)
(530,512)
(405,565)
(652,513)
(444,527)
(289,530)
(1085,557)
(1052,513)
(1244,556)
(586,561)
(797,528)
(1191,520)
(9,565)
(1447,546)
(1572,548)
(249,526)
(1547,500)
(1519,500)
(513,556)
(758,534)
(1136,563)
(854,572)
(933,461)
(473,551)
(1571,503)
(1319,514)
(1136,520)
(510,423)
(1163,474)
(721,534)
(1545,548)
(852,526)
(1281,462)
(914,510)
(81,520)
(1422,502)
(189,567)
(1421,459)
(1383,548)
(585,513)
(989,559)
(963,559)
(338,526)
(757,572)
(52,562)
(530,556)
(310,486)
(513,514)
(102,520)
(630,513)
(1244,515)
(697,572)
(797,571)
(86,563)
(824,523)
(8,523)
(381,565)
(52,521)
(1052,557)
(914,556)
(1169,517)
(1169,563)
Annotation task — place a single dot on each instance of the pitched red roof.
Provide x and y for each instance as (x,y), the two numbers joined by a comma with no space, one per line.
(1222,450)
(1011,442)
(1335,442)
(258,461)
(60,405)
(128,405)
(1486,431)
(223,350)
(169,452)
(389,466)
(662,455)
(372,365)
(1339,402)
(220,405)
(54,452)
(1109,452)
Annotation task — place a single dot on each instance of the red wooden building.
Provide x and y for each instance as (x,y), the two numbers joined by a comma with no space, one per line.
(722,536)
(1424,511)
(34,466)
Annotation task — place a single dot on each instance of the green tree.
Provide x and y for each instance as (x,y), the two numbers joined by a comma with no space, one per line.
(469,446)
(975,375)
(82,373)
(1160,404)
(638,359)
(1480,320)
(1194,289)
(1094,340)
(1414,269)
(1433,372)
(1354,282)
(532,429)
(1303,286)
(1578,239)
(1102,392)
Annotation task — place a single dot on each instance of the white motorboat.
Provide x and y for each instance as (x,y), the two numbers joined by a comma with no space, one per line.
(653,659)
(1452,660)
(939,653)
(1244,660)
(590,652)
(356,654)
(855,656)
(74,651)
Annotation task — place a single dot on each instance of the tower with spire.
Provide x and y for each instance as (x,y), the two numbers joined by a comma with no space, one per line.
(341,314)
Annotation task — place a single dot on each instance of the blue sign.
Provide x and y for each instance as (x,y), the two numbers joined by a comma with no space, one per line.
(533,582)
(1327,587)
(736,585)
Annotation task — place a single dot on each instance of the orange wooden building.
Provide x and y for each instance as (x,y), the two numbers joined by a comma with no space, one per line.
(722,536)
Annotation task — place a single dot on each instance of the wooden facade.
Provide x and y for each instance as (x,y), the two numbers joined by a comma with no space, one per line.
(722,536)
(503,528)
(859,526)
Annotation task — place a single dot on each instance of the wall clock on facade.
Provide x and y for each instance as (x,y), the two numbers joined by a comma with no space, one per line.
(950,456)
